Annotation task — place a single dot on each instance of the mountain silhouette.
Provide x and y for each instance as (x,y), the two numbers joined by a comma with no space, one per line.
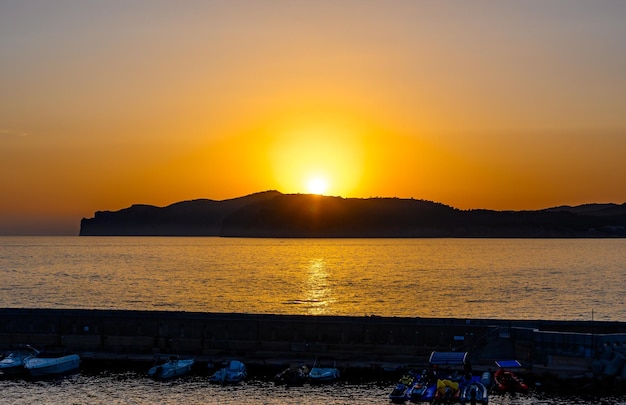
(274,214)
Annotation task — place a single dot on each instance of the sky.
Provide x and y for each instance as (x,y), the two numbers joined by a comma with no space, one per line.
(505,105)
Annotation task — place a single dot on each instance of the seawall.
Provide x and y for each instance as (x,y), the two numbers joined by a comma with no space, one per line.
(362,342)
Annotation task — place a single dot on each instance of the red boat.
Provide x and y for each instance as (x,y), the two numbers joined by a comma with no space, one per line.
(507,381)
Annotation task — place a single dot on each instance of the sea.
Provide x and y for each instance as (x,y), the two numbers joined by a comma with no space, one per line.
(551,279)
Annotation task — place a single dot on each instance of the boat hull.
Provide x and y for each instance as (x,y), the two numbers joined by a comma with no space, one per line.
(14,363)
(234,373)
(400,393)
(507,381)
(14,369)
(171,369)
(43,366)
(422,391)
(323,374)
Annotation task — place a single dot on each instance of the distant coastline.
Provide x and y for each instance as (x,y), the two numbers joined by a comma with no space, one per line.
(272,214)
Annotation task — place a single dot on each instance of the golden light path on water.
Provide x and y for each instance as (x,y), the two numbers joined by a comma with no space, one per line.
(318,292)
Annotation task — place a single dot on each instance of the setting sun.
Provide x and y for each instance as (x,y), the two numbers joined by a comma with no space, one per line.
(317,185)
(306,148)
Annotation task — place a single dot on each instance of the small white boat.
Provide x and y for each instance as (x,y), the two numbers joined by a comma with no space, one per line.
(174,367)
(44,365)
(234,373)
(323,374)
(13,363)
(320,374)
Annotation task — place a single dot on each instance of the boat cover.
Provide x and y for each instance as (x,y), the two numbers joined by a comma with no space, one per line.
(508,363)
(448,358)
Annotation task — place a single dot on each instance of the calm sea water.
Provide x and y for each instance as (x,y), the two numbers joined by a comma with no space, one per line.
(569,279)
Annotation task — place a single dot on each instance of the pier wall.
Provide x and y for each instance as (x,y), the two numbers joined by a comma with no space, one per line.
(266,338)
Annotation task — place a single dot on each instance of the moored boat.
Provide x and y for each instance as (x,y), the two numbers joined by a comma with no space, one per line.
(173,367)
(14,361)
(450,380)
(233,373)
(474,393)
(447,391)
(323,374)
(292,375)
(424,387)
(51,364)
(400,392)
(505,380)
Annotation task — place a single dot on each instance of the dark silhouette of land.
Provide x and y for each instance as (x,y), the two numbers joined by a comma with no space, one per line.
(273,214)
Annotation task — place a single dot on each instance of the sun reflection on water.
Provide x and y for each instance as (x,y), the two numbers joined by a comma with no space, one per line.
(318,290)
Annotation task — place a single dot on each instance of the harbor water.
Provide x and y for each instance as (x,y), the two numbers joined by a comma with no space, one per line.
(133,387)
(553,279)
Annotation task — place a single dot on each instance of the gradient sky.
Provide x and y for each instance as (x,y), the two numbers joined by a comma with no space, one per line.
(474,104)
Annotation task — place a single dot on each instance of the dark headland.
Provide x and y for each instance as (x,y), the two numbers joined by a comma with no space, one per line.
(274,214)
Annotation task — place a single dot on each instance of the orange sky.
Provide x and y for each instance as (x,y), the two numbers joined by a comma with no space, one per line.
(498,105)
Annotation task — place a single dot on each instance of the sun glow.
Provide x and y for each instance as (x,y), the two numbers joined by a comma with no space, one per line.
(317,185)
(304,151)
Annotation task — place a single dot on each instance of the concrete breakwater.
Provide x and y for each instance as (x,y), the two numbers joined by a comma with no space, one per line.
(560,347)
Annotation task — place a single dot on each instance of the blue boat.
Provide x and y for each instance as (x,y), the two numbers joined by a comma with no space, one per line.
(323,374)
(399,394)
(173,367)
(474,393)
(423,388)
(13,363)
(235,372)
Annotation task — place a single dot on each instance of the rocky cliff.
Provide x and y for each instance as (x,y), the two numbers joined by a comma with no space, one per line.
(273,214)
